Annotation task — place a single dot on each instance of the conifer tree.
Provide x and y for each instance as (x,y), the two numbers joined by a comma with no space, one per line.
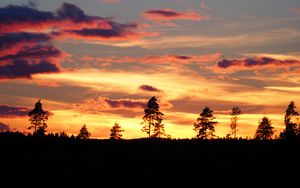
(291,130)
(116,132)
(84,133)
(205,126)
(265,130)
(235,112)
(38,118)
(153,120)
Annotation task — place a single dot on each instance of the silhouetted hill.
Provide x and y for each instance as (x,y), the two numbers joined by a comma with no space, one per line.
(52,161)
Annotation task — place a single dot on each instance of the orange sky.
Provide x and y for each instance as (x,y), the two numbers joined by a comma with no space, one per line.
(94,63)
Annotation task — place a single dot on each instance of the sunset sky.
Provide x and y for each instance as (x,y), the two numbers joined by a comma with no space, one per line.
(97,62)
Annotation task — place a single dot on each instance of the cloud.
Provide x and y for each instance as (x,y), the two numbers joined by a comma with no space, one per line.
(13,42)
(124,107)
(20,68)
(13,111)
(116,31)
(110,1)
(165,16)
(168,59)
(24,54)
(295,10)
(203,5)
(269,37)
(195,106)
(67,21)
(149,88)
(256,62)
(4,127)
(16,18)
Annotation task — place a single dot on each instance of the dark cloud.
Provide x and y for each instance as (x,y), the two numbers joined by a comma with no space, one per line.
(164,13)
(4,127)
(13,111)
(35,52)
(149,88)
(125,103)
(255,62)
(11,40)
(28,61)
(14,17)
(72,12)
(21,68)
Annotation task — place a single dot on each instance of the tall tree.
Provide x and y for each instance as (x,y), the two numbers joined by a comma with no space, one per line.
(84,133)
(116,132)
(265,130)
(205,126)
(38,118)
(235,112)
(153,120)
(291,127)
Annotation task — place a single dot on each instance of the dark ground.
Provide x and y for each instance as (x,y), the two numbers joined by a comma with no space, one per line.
(50,161)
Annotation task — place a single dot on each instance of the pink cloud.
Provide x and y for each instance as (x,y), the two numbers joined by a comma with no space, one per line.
(295,10)
(164,16)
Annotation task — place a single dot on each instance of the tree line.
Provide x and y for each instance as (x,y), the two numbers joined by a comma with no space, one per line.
(204,126)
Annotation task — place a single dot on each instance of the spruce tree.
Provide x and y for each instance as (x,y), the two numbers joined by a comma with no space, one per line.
(38,118)
(235,112)
(116,132)
(153,120)
(265,130)
(84,133)
(291,130)
(205,126)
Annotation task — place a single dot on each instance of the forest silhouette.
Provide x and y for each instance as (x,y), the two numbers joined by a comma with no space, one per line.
(157,160)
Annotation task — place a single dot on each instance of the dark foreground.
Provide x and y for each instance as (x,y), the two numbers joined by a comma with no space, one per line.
(58,162)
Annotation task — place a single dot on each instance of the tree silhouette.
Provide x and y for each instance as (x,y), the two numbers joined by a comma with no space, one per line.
(205,125)
(291,128)
(84,133)
(234,118)
(38,118)
(153,120)
(115,132)
(265,130)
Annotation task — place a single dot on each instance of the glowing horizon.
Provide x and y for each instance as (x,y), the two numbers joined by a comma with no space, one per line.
(82,58)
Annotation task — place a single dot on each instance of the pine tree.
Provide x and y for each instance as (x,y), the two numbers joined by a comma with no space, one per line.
(153,120)
(265,130)
(116,132)
(84,133)
(234,118)
(38,118)
(291,128)
(205,125)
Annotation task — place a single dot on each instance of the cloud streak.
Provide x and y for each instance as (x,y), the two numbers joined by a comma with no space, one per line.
(149,88)
(256,62)
(13,111)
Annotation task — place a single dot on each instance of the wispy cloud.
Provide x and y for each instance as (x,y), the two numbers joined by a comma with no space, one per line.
(149,88)
(167,15)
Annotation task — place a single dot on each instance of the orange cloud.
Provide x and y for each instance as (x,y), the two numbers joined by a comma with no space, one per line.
(168,59)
